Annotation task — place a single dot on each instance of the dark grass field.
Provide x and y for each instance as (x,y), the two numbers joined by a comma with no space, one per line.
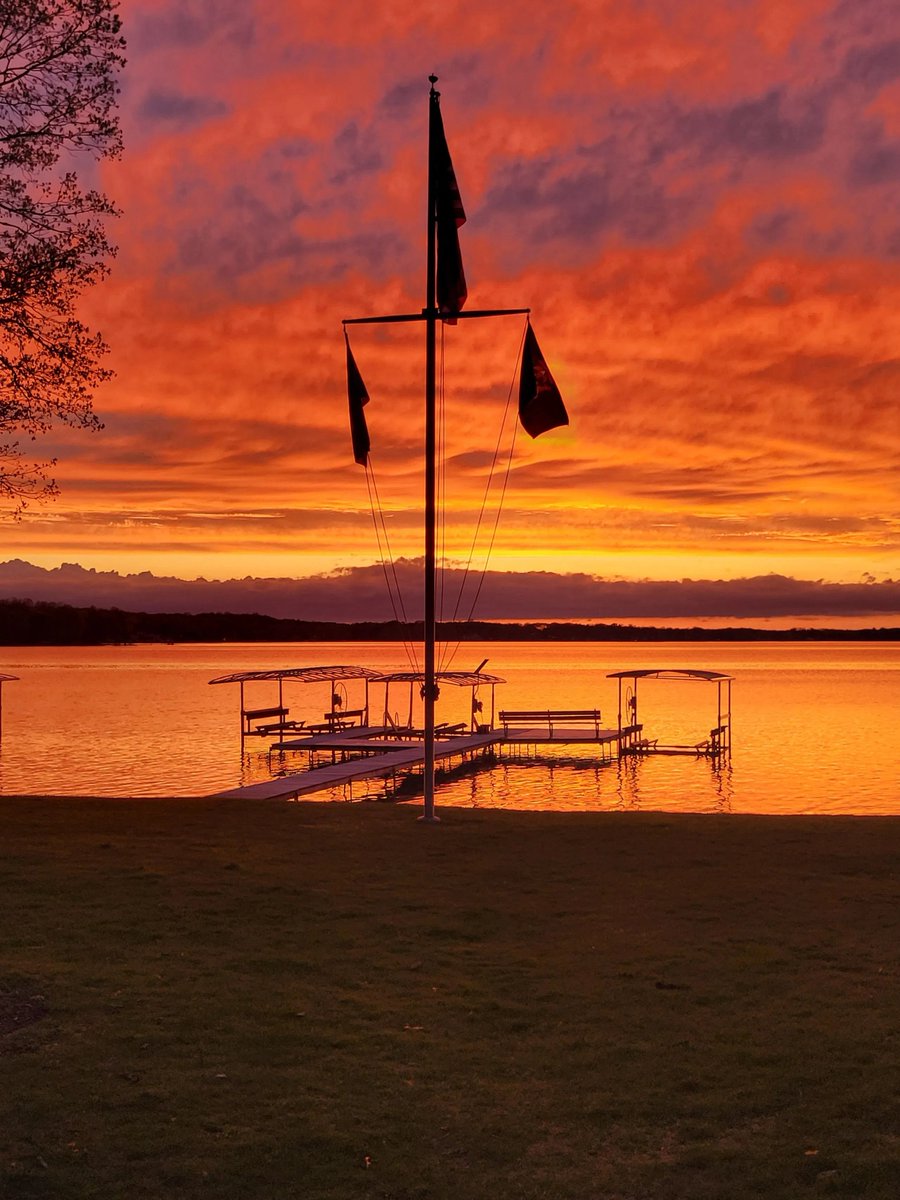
(202,999)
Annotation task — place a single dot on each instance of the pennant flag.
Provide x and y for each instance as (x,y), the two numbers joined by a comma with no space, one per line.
(451,279)
(540,404)
(359,398)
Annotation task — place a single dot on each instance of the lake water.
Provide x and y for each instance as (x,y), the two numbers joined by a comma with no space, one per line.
(815,725)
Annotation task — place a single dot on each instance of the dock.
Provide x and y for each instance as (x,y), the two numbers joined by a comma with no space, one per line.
(363,751)
(537,736)
(562,727)
(387,757)
(354,737)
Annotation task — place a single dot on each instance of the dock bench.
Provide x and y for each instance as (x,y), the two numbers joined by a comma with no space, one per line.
(336,721)
(280,725)
(560,717)
(715,743)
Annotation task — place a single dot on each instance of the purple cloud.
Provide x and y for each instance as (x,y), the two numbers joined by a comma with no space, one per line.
(358,594)
(179,110)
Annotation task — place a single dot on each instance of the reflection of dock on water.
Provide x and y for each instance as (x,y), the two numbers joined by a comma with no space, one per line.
(353,749)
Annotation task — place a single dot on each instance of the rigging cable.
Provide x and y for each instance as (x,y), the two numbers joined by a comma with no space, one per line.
(487,557)
(490,548)
(484,501)
(395,592)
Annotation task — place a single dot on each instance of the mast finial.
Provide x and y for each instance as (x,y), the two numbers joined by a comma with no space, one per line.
(432,79)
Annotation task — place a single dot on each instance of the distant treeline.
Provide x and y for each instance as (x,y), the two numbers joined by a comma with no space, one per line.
(39,623)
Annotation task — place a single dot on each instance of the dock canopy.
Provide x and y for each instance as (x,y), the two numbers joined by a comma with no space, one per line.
(301,674)
(459,678)
(462,679)
(716,746)
(272,721)
(668,673)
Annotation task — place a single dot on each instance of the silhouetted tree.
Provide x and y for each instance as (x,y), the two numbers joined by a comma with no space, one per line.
(59,61)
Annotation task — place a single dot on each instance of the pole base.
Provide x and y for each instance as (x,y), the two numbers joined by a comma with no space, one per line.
(429,820)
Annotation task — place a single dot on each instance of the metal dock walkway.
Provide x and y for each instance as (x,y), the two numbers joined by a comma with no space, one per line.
(385,763)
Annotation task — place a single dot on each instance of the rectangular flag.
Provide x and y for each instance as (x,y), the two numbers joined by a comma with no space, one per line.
(451,279)
(359,398)
(540,404)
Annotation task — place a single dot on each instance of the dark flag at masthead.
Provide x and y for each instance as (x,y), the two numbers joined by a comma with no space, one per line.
(540,404)
(450,214)
(358,398)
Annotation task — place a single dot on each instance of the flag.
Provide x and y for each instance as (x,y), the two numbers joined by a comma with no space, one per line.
(450,214)
(540,404)
(359,398)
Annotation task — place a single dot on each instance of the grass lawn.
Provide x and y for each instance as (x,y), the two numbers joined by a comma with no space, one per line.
(209,999)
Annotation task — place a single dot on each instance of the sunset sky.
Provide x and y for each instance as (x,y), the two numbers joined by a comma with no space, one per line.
(699,200)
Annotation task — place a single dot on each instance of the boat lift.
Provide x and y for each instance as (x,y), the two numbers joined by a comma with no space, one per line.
(273,721)
(631,732)
(471,679)
(361,751)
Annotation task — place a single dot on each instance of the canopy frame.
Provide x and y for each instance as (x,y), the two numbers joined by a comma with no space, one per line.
(329,674)
(720,737)
(470,679)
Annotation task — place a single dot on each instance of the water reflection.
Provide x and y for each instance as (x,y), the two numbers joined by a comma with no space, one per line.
(691,783)
(628,775)
(723,782)
(567,780)
(580,782)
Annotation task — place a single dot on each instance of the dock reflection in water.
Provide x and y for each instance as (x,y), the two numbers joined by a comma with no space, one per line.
(626,785)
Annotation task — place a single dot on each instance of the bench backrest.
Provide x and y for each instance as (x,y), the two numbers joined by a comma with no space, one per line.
(345,714)
(256,714)
(550,714)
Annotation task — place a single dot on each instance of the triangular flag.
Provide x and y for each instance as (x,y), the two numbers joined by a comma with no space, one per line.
(358,398)
(540,404)
(451,279)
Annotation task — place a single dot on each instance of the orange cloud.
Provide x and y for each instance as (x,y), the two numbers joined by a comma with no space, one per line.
(705,229)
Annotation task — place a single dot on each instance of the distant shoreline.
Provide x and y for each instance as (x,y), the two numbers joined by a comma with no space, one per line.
(40,623)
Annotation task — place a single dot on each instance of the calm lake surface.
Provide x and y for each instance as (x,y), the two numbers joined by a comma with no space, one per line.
(815,724)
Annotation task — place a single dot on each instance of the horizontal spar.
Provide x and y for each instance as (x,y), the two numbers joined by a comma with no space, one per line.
(423,316)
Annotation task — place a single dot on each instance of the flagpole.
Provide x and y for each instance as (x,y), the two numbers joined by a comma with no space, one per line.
(540,404)
(428,813)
